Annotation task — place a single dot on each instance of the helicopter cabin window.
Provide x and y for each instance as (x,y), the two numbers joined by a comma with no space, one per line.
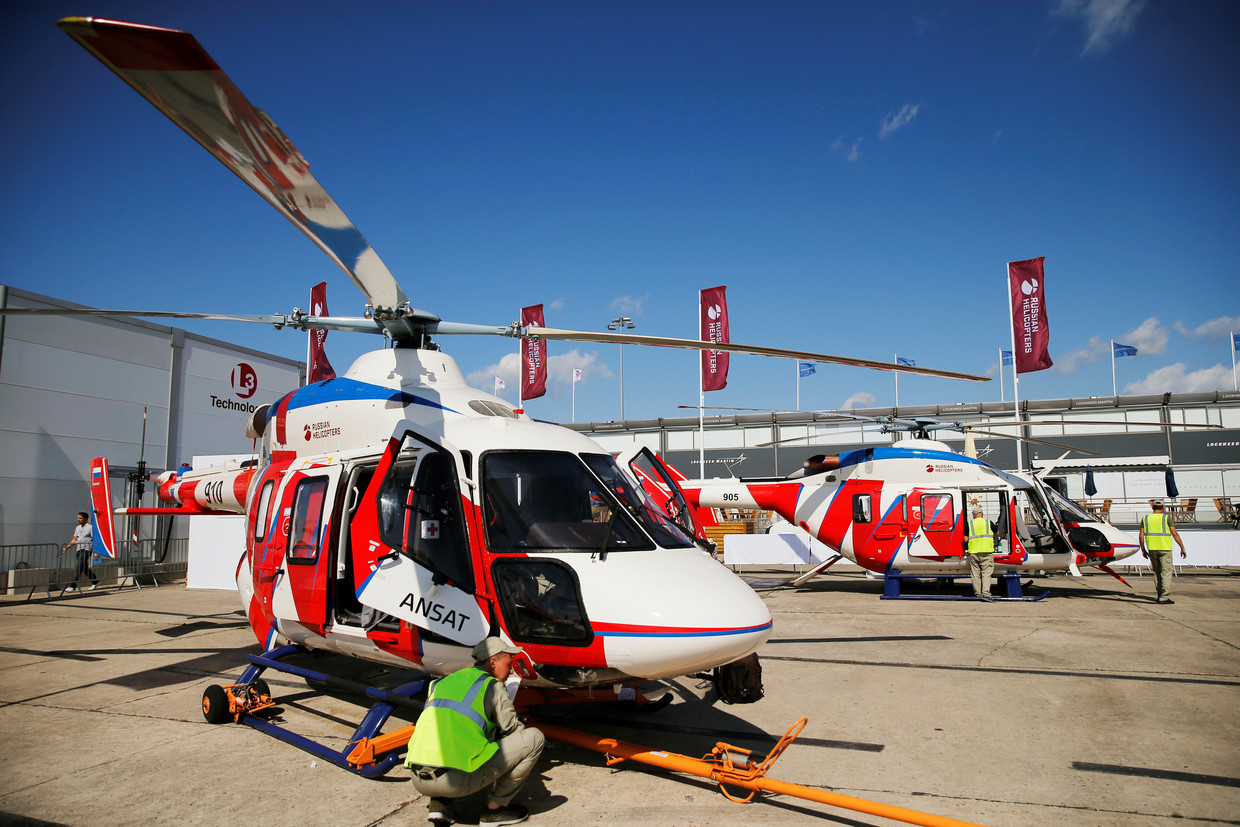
(420,512)
(862,506)
(262,515)
(304,536)
(559,501)
(937,512)
(541,602)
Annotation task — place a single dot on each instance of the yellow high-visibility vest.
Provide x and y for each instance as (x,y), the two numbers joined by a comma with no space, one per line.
(981,538)
(1157,530)
(453,729)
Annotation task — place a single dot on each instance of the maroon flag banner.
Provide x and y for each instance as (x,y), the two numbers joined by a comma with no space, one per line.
(533,356)
(713,305)
(1031,330)
(320,368)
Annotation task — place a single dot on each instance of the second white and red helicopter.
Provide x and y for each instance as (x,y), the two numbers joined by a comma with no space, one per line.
(902,510)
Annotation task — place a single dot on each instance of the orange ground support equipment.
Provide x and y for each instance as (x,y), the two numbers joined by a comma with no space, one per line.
(730,766)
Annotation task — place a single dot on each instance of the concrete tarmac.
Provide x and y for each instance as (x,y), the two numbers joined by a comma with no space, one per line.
(1095,706)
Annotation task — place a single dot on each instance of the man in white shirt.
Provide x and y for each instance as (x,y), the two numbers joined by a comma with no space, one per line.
(84,541)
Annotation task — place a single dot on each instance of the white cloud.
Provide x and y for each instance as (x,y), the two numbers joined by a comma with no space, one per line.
(1149,339)
(861,399)
(898,120)
(852,153)
(1177,379)
(558,304)
(1213,330)
(559,373)
(1106,21)
(629,305)
(1094,350)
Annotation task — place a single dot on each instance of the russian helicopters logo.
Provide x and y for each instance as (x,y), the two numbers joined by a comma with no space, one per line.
(318,430)
(1029,286)
(244,380)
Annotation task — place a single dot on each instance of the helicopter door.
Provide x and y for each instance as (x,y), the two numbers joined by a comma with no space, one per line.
(410,544)
(307,527)
(894,522)
(934,524)
(660,483)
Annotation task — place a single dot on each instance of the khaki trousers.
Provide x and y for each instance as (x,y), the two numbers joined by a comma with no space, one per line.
(1163,565)
(981,567)
(507,769)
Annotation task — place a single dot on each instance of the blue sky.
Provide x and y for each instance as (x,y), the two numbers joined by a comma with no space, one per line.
(857,173)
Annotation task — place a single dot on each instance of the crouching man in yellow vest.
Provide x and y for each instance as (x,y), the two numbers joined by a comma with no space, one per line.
(981,553)
(1155,538)
(468,737)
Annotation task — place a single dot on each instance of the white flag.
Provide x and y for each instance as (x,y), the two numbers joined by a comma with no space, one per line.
(499,384)
(576,374)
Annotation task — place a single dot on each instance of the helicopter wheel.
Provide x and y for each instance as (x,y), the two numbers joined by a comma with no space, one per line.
(260,688)
(215,706)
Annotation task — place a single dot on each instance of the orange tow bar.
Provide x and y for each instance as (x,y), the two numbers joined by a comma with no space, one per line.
(730,766)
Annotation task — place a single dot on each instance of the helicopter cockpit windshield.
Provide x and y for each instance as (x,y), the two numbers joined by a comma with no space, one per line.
(556,501)
(1069,512)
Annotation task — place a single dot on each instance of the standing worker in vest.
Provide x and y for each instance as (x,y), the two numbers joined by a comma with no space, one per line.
(468,737)
(981,554)
(1155,538)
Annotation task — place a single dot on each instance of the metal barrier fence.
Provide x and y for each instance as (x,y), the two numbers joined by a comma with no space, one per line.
(41,567)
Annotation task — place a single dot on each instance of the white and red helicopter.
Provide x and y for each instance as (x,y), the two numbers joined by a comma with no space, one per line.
(398,515)
(902,510)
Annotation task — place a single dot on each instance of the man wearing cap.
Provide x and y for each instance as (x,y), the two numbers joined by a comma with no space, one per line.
(468,737)
(981,554)
(1155,538)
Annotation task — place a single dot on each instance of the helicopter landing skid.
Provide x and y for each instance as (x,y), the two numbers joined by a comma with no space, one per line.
(251,695)
(1009,582)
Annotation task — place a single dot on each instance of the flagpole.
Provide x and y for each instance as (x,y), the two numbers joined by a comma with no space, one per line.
(798,363)
(895,357)
(573,417)
(1234,387)
(1114,390)
(1015,372)
(1002,393)
(701,401)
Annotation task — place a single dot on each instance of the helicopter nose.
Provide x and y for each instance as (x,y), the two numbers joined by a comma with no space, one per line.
(690,613)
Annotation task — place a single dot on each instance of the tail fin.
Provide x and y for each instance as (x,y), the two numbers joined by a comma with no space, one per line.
(101,521)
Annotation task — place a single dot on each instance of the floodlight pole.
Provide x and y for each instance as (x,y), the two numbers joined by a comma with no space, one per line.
(621,323)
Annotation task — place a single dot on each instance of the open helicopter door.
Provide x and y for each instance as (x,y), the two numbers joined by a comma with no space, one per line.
(935,524)
(660,483)
(410,543)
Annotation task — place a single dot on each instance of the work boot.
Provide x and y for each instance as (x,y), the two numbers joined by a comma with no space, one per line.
(439,812)
(511,814)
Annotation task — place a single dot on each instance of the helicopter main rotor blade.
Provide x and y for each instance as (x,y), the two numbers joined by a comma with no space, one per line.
(171,70)
(756,350)
(296,320)
(1035,441)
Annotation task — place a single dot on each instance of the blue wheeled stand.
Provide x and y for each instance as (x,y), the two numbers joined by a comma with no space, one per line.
(245,700)
(1008,581)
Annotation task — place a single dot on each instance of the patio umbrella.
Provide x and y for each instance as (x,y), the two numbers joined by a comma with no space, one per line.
(1172,491)
(1090,488)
